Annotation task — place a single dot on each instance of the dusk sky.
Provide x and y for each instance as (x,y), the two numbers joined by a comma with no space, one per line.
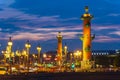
(40,20)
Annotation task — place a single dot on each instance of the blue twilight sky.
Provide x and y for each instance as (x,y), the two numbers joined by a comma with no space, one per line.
(40,20)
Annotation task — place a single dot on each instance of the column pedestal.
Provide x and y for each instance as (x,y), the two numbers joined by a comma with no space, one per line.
(86,65)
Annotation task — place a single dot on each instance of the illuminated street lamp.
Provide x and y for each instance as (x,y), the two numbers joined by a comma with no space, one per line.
(78,54)
(4,54)
(71,56)
(77,57)
(33,55)
(19,55)
(39,50)
(34,58)
(65,56)
(24,55)
(10,52)
(65,51)
(13,57)
(28,46)
(44,57)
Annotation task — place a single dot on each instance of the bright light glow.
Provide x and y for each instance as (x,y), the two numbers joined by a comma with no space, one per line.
(44,55)
(65,47)
(39,48)
(27,45)
(10,43)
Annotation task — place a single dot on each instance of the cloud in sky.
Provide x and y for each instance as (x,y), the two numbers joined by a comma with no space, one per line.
(116,33)
(104,39)
(6,3)
(104,27)
(114,14)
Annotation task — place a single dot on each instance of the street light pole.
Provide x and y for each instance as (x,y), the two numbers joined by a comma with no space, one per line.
(33,61)
(27,45)
(24,55)
(4,54)
(19,55)
(44,58)
(65,51)
(71,56)
(39,50)
(10,51)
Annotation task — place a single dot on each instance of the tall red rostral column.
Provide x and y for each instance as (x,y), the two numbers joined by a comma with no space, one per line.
(59,49)
(86,39)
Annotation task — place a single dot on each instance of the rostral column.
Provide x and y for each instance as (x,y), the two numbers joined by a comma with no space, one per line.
(59,49)
(86,40)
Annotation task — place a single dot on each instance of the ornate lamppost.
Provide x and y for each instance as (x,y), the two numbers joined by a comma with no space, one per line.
(10,52)
(44,58)
(33,60)
(65,51)
(13,57)
(71,57)
(65,57)
(19,55)
(39,50)
(78,57)
(28,46)
(24,56)
(4,54)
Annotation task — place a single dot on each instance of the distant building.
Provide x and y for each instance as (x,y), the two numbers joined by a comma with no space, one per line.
(103,52)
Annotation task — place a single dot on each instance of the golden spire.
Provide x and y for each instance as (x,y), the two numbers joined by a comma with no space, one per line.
(86,9)
(59,34)
(10,39)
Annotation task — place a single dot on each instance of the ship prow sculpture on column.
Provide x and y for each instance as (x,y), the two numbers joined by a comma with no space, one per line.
(86,38)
